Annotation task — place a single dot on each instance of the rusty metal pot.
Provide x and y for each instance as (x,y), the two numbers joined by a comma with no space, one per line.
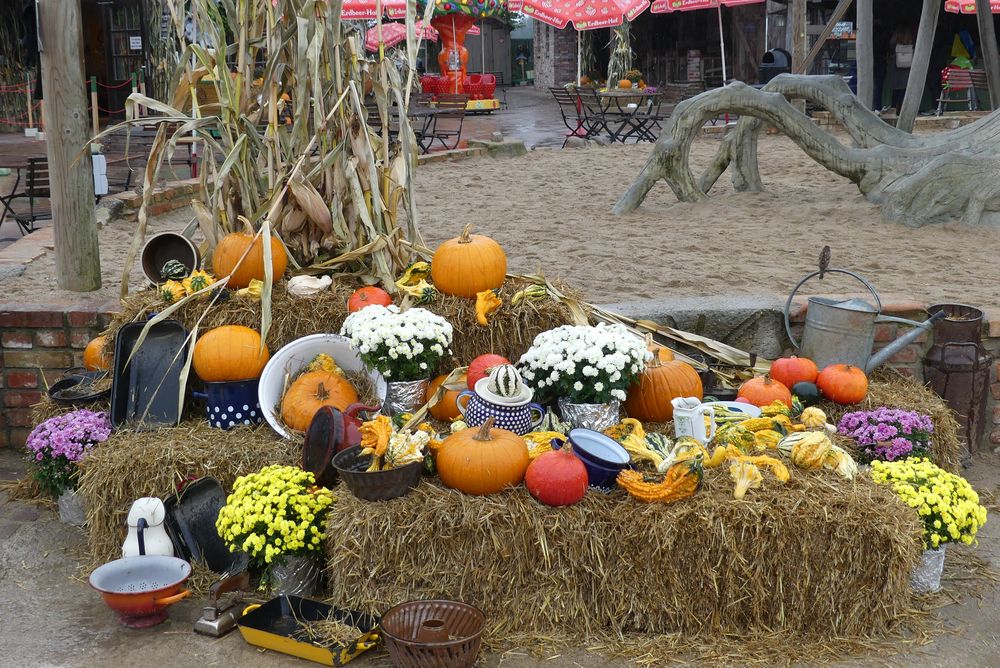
(139,589)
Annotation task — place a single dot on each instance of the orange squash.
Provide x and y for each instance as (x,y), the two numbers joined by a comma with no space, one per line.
(791,370)
(624,83)
(230,249)
(95,358)
(648,400)
(230,352)
(446,409)
(843,383)
(468,264)
(482,461)
(763,390)
(310,392)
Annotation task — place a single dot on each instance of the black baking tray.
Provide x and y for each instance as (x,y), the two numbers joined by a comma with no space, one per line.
(191,515)
(146,392)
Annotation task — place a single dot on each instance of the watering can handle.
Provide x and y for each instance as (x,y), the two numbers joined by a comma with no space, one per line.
(788,303)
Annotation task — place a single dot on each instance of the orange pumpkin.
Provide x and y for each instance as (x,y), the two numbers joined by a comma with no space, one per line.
(665,354)
(648,400)
(310,392)
(446,409)
(363,297)
(763,390)
(231,248)
(843,383)
(624,83)
(468,264)
(482,461)
(791,370)
(95,358)
(230,352)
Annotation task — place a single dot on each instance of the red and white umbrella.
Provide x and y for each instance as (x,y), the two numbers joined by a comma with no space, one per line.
(584,14)
(394,33)
(664,6)
(968,6)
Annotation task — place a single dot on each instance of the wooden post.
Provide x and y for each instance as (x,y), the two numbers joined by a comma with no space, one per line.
(800,41)
(78,261)
(918,68)
(135,89)
(31,111)
(838,13)
(94,122)
(865,46)
(988,42)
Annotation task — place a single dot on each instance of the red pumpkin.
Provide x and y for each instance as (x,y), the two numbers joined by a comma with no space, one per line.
(763,390)
(843,384)
(791,370)
(557,478)
(482,365)
(363,297)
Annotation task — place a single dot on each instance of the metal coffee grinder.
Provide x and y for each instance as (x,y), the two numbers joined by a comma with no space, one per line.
(957,368)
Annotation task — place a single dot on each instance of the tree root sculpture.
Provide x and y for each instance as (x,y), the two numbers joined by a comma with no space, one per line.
(917,180)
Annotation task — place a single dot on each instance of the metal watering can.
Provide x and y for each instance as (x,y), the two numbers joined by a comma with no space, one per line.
(843,332)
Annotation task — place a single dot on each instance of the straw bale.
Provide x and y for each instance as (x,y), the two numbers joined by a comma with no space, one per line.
(133,464)
(818,556)
(889,388)
(510,333)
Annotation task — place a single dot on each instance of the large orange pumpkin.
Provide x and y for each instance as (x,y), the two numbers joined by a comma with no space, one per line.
(468,264)
(843,383)
(446,409)
(310,392)
(791,370)
(230,249)
(230,352)
(95,358)
(482,461)
(649,398)
(763,390)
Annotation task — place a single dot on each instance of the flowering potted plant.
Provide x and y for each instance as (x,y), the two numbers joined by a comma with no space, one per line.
(404,346)
(587,368)
(888,434)
(278,517)
(57,446)
(947,505)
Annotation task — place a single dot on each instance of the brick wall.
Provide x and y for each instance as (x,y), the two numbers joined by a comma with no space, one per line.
(38,342)
(555,56)
(167,197)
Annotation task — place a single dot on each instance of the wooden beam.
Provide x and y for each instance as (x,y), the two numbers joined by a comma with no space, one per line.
(865,47)
(838,13)
(797,20)
(71,178)
(918,68)
(988,40)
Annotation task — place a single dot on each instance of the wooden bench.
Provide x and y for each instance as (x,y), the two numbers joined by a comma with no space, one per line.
(958,80)
(123,164)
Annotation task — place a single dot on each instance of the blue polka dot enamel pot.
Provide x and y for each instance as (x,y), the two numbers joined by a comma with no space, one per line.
(519,419)
(232,403)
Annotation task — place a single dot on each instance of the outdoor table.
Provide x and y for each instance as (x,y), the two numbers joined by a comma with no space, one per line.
(631,112)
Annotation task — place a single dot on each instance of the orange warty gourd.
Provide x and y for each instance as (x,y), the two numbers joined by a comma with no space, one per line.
(763,390)
(843,383)
(648,400)
(230,352)
(791,370)
(231,248)
(95,358)
(468,264)
(310,392)
(446,409)
(482,461)
(367,296)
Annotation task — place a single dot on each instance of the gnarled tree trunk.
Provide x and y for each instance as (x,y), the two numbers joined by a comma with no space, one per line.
(916,179)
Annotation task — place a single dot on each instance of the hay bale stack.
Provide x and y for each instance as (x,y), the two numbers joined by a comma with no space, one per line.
(130,465)
(889,388)
(817,556)
(510,333)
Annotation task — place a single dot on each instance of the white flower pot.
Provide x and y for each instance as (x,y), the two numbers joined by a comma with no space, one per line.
(926,576)
(71,508)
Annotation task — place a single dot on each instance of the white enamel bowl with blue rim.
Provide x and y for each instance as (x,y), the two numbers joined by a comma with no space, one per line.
(737,406)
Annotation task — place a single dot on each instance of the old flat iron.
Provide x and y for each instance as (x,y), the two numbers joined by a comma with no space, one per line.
(219,617)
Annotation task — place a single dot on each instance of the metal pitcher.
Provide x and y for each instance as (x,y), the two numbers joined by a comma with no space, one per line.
(843,332)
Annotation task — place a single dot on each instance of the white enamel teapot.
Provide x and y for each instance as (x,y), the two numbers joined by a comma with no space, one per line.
(147,533)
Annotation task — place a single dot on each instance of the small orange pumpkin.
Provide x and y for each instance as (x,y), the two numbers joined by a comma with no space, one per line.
(310,392)
(843,383)
(95,358)
(482,461)
(230,352)
(227,254)
(763,390)
(367,296)
(468,264)
(446,409)
(791,370)
(624,83)
(649,398)
(665,354)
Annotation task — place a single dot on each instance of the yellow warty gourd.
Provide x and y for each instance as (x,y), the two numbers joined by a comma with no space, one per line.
(746,476)
(808,448)
(757,424)
(767,438)
(813,417)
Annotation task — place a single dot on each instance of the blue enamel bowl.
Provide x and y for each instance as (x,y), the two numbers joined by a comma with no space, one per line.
(603,457)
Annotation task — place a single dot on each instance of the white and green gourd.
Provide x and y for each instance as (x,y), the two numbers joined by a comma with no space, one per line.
(505,381)
(174,270)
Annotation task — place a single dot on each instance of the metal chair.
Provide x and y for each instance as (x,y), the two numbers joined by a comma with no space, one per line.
(958,80)
(36,187)
(572,113)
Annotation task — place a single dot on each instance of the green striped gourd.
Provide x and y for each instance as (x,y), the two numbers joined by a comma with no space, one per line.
(173,269)
(504,381)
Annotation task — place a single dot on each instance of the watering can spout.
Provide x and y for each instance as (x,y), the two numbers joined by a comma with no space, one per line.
(885,354)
